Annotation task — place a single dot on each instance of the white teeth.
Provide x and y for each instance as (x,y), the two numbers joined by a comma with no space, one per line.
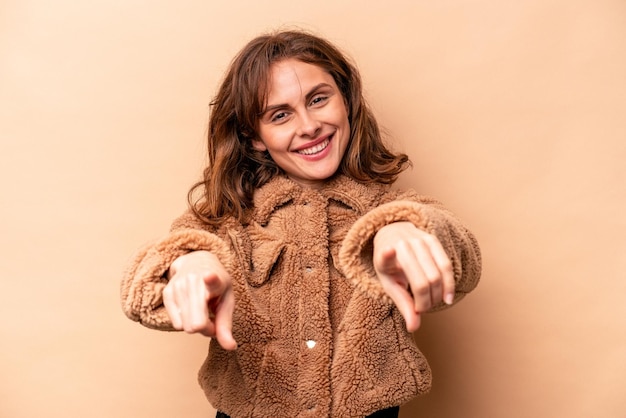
(315,149)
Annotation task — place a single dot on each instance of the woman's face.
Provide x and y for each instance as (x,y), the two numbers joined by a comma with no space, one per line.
(304,125)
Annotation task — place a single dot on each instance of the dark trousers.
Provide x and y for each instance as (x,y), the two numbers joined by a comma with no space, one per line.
(383,413)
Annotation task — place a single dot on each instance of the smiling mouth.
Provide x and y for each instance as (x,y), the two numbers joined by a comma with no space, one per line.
(315,149)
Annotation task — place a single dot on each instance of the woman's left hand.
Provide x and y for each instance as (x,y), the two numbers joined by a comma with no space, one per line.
(413,269)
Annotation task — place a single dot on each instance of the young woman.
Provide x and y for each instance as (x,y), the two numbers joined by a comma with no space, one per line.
(308,270)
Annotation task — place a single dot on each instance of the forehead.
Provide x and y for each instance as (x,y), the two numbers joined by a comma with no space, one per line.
(291,79)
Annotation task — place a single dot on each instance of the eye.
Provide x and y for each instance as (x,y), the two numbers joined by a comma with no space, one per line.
(279,116)
(317,100)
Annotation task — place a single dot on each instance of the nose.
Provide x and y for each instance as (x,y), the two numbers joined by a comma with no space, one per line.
(309,125)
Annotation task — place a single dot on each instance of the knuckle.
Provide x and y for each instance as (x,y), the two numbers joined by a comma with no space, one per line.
(195,326)
(405,244)
(434,278)
(185,282)
(421,291)
(191,277)
(422,304)
(405,241)
(430,238)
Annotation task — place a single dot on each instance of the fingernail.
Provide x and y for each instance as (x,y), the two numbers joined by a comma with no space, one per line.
(449,298)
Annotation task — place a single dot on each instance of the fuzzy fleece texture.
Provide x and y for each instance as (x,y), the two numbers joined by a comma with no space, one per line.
(317,336)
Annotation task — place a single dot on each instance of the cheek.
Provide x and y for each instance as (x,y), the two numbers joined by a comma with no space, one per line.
(341,112)
(277,138)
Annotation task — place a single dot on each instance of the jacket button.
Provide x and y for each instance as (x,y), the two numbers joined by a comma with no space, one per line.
(311,343)
(308,269)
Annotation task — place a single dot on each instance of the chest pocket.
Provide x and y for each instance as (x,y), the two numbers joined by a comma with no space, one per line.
(267,247)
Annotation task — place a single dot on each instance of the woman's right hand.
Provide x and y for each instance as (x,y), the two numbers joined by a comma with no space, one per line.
(199,297)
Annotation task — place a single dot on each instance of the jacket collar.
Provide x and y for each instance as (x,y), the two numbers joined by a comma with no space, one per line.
(281,191)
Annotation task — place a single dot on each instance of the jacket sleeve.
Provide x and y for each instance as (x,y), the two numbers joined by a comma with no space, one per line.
(146,275)
(356,253)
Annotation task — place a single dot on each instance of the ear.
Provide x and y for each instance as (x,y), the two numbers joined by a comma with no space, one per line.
(258,145)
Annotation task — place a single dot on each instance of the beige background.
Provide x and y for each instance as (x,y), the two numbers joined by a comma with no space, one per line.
(514,113)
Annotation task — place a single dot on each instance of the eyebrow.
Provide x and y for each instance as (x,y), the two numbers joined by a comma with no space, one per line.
(312,92)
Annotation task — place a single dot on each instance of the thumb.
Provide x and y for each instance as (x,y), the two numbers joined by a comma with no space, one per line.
(387,261)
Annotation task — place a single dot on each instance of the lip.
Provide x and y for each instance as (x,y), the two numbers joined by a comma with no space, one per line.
(315,142)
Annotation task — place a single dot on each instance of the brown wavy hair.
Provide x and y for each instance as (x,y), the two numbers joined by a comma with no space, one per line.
(235,169)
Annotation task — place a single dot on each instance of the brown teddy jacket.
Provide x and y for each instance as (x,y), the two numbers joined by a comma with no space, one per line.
(316,334)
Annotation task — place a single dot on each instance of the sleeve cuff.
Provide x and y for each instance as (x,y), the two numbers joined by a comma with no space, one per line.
(355,255)
(145,279)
